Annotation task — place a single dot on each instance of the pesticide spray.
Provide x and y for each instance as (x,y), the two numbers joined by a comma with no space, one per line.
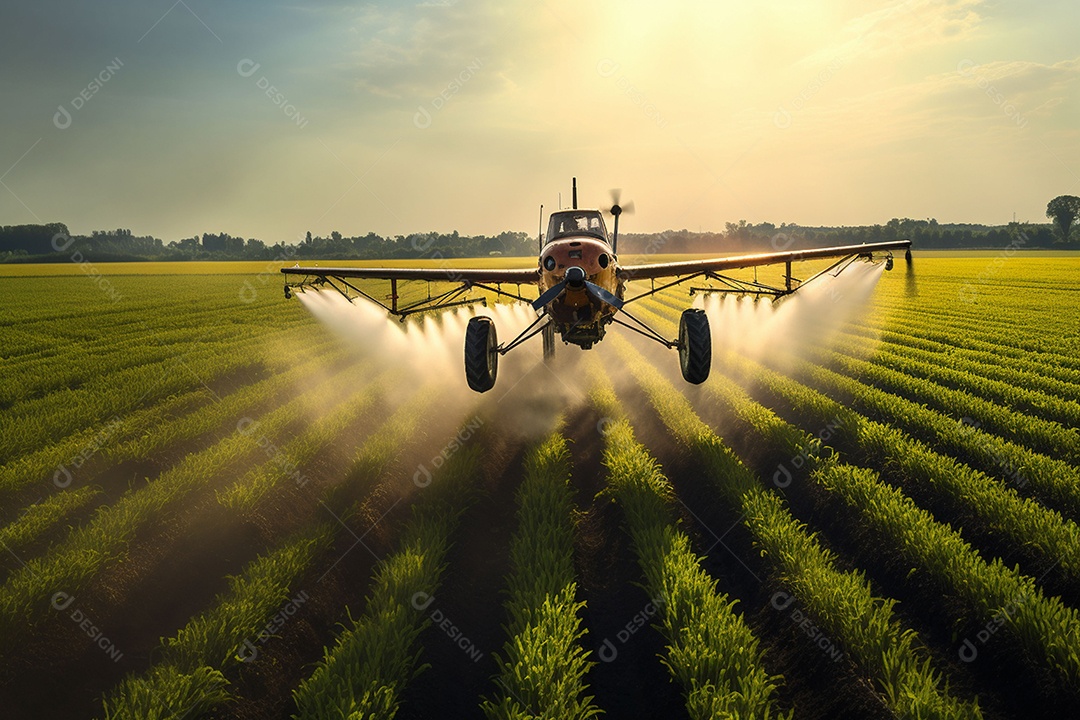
(778,333)
(528,397)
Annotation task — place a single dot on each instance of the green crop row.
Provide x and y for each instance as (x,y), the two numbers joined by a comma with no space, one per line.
(953,375)
(90,361)
(251,398)
(1036,531)
(26,426)
(100,542)
(190,674)
(84,363)
(188,680)
(994,316)
(983,365)
(42,464)
(1039,435)
(148,431)
(1002,343)
(42,515)
(1053,481)
(1047,630)
(711,652)
(542,670)
(374,657)
(257,482)
(841,603)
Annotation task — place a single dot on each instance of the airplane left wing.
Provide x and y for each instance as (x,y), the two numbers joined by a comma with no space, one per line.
(462,281)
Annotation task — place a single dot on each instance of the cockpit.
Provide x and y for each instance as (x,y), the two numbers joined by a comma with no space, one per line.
(576,222)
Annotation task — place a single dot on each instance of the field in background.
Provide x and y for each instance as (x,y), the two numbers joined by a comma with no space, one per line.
(231,267)
(213,504)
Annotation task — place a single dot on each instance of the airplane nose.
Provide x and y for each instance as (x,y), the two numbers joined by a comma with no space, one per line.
(575,277)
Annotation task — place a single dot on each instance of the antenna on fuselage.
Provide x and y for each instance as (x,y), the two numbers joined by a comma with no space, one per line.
(575,193)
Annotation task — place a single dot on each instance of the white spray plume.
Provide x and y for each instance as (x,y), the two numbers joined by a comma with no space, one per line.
(528,395)
(807,320)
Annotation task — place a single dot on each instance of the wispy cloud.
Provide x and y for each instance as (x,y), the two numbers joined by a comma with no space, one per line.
(900,28)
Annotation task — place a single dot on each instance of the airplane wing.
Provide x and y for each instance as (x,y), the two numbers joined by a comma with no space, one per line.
(461,280)
(653,271)
(490,276)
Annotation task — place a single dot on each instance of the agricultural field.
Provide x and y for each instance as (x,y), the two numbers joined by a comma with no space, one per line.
(218,503)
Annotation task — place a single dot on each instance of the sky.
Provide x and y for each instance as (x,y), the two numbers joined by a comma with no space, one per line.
(268,119)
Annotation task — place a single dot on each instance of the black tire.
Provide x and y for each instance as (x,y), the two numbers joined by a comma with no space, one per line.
(695,346)
(549,342)
(481,358)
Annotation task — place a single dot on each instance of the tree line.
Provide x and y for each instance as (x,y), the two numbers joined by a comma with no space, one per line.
(52,242)
(924,234)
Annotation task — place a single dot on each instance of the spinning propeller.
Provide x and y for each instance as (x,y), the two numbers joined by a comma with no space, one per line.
(575,280)
(617,210)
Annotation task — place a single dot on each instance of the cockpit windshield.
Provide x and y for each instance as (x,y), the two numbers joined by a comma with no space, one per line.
(576,222)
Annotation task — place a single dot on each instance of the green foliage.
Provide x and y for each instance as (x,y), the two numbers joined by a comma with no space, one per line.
(167,693)
(260,480)
(102,541)
(215,637)
(712,653)
(542,671)
(842,603)
(1045,627)
(1036,531)
(1063,210)
(992,339)
(1045,436)
(40,516)
(1051,479)
(188,681)
(375,656)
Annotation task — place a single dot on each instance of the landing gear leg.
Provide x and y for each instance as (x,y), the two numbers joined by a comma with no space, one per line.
(549,342)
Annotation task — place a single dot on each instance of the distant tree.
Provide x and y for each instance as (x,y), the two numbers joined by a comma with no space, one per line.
(1063,210)
(213,243)
(34,239)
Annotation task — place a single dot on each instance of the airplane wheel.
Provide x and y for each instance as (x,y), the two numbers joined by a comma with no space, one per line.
(549,342)
(695,346)
(481,358)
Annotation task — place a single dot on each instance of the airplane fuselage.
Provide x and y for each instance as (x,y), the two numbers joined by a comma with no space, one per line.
(579,317)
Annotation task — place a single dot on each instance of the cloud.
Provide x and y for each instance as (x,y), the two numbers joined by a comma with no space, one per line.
(412,53)
(899,28)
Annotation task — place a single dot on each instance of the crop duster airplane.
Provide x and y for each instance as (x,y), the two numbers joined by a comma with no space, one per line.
(582,289)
